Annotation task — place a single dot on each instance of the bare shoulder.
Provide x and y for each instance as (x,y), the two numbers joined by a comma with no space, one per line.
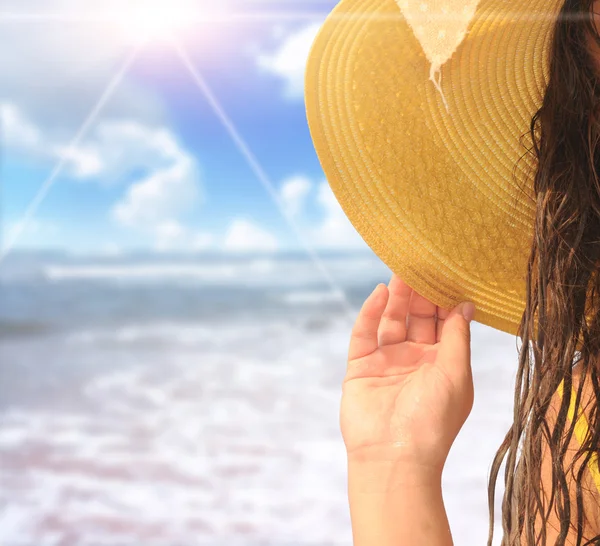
(590,480)
(588,393)
(588,400)
(590,491)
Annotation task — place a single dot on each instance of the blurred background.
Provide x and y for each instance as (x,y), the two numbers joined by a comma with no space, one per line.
(178,285)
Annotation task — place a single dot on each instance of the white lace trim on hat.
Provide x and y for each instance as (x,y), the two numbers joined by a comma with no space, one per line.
(440,26)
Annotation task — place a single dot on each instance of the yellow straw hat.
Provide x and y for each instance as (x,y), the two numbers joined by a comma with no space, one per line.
(432,171)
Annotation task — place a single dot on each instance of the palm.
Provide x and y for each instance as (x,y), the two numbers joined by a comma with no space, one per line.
(397,389)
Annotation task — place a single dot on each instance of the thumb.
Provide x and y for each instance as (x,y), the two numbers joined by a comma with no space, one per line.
(454,354)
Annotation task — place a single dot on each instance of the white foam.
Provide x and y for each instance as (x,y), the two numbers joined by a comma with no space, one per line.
(247,272)
(215,446)
(140,272)
(306,297)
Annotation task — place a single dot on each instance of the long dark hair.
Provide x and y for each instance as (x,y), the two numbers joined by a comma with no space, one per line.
(562,288)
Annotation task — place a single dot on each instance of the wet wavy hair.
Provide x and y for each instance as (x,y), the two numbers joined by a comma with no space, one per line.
(562,286)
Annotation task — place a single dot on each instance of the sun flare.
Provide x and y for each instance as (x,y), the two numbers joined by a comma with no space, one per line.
(145,20)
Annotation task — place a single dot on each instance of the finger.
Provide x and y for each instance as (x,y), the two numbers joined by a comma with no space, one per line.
(455,348)
(364,333)
(442,315)
(421,319)
(392,329)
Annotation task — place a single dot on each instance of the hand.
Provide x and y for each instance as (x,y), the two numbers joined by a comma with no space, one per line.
(408,388)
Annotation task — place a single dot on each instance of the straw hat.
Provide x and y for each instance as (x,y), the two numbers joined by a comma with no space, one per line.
(416,109)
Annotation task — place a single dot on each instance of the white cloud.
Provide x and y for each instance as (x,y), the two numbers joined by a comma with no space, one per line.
(245,236)
(169,234)
(335,230)
(332,230)
(32,232)
(18,131)
(111,250)
(159,197)
(108,152)
(56,72)
(82,162)
(294,192)
(53,74)
(114,152)
(33,227)
(288,61)
(173,236)
(201,241)
(168,187)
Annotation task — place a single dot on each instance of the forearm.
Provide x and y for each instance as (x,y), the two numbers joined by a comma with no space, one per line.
(393,505)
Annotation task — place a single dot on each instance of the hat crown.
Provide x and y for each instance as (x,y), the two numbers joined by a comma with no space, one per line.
(440,26)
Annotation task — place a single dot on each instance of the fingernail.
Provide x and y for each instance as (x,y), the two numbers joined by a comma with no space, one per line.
(378,289)
(468,311)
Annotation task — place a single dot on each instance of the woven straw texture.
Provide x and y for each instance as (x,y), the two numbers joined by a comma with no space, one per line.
(431,178)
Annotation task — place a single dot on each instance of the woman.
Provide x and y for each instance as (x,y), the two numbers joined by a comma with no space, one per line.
(408,388)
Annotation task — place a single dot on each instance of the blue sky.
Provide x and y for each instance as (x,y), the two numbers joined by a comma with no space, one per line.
(157,169)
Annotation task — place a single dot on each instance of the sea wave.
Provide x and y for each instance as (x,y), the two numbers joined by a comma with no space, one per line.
(315,297)
(183,449)
(265,272)
(239,333)
(233,439)
(140,272)
(19,329)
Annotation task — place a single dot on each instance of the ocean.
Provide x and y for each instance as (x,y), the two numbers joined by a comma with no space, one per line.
(181,401)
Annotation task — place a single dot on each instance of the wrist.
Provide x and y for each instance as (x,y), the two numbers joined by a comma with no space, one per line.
(389,476)
(394,502)
(397,459)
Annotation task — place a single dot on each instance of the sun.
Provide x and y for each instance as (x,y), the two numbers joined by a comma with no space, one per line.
(146,20)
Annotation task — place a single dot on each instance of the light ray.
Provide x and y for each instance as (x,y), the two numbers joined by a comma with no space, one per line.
(42,193)
(260,173)
(117,17)
(274,15)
